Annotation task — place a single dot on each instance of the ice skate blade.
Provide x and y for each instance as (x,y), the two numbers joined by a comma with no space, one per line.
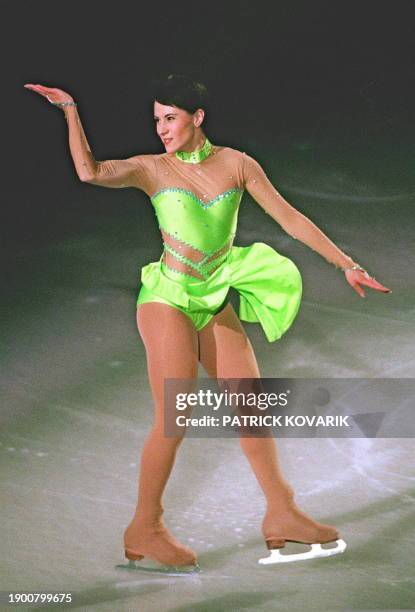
(185,570)
(316,552)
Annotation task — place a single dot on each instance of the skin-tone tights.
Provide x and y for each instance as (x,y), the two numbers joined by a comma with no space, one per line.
(173,348)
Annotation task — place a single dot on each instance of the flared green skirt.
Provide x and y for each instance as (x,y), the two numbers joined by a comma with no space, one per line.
(269,287)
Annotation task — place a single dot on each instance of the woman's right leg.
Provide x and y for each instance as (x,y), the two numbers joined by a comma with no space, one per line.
(171,344)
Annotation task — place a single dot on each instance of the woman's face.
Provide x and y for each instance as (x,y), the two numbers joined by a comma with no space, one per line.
(176,127)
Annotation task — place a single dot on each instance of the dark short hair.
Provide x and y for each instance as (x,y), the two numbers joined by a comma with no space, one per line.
(181,91)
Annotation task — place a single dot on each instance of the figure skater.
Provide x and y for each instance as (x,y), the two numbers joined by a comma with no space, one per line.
(183,312)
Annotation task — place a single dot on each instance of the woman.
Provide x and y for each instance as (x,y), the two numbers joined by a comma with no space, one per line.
(183,314)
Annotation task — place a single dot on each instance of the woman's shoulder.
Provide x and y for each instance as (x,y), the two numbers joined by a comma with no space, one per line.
(146,156)
(146,161)
(229,152)
(240,159)
(226,149)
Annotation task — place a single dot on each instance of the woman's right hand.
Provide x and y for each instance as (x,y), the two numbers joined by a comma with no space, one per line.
(50,93)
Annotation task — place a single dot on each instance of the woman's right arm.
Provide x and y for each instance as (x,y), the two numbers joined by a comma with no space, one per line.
(109,173)
(85,164)
(135,171)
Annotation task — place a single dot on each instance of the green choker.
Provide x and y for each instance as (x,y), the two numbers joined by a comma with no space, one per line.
(195,157)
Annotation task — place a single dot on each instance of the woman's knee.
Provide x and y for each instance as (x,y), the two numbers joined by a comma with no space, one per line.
(255,446)
(158,435)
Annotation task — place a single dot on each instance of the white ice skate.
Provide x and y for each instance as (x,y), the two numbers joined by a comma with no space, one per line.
(315,552)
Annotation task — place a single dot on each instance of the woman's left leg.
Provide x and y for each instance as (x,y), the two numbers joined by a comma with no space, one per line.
(226,352)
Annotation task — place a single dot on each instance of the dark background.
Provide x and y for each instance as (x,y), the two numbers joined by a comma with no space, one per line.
(322,94)
(324,84)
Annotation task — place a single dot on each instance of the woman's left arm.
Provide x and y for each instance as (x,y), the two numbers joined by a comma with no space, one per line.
(300,227)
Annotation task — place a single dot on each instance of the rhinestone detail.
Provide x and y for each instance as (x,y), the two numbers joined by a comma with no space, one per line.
(205,253)
(195,157)
(185,260)
(179,272)
(218,198)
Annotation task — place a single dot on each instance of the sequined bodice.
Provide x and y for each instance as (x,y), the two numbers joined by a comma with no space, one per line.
(196,197)
(196,205)
(195,233)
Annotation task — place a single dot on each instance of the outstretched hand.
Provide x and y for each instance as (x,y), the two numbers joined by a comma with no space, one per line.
(355,278)
(50,93)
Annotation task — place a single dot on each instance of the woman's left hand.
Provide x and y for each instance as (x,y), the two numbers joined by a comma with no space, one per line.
(355,278)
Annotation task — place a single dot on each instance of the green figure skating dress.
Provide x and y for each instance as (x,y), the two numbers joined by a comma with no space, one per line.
(196,198)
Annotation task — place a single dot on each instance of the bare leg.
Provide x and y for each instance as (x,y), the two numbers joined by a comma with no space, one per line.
(171,344)
(226,352)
